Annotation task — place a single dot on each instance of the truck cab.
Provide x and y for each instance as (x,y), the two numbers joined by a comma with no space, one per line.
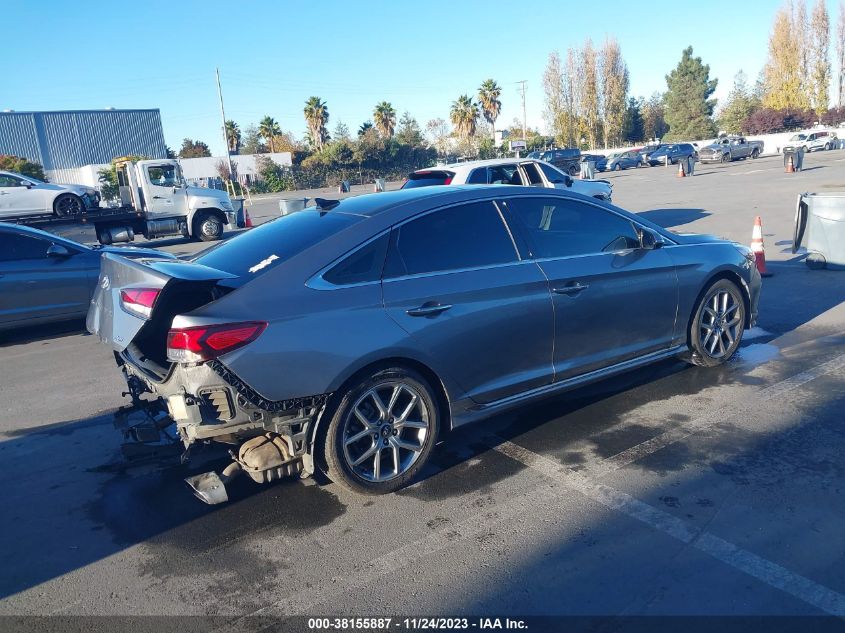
(155,201)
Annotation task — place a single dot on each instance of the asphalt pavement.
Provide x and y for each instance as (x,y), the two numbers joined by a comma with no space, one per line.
(671,490)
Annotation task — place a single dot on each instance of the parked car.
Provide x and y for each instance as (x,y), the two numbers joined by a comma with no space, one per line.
(730,148)
(567,159)
(508,171)
(45,278)
(810,141)
(350,337)
(671,152)
(622,160)
(24,195)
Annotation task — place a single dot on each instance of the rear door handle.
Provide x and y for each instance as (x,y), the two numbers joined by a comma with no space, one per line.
(571,290)
(428,309)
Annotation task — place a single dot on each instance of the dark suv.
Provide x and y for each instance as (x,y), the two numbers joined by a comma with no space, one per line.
(567,159)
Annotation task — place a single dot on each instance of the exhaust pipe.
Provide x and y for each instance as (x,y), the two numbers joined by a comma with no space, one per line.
(211,487)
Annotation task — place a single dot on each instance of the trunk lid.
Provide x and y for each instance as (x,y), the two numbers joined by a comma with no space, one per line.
(117,327)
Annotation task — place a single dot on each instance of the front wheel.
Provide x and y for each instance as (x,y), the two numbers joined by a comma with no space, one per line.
(717,325)
(68,205)
(208,227)
(755,154)
(382,432)
(726,158)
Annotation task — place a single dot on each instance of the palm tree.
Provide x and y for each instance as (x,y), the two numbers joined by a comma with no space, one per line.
(385,117)
(366,126)
(267,129)
(233,136)
(317,117)
(488,96)
(464,114)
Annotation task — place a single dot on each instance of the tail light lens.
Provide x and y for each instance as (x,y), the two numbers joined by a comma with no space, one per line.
(197,344)
(139,301)
(448,180)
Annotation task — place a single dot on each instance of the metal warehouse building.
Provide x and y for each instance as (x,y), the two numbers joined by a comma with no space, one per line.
(66,141)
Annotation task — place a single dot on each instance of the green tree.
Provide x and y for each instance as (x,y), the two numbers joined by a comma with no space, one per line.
(614,92)
(21,166)
(169,152)
(233,136)
(786,70)
(252,141)
(366,126)
(317,118)
(267,129)
(689,109)
(408,131)
(634,128)
(341,132)
(819,58)
(193,149)
(654,117)
(464,116)
(384,116)
(739,105)
(488,98)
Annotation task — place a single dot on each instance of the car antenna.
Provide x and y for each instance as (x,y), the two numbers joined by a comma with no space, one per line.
(326,205)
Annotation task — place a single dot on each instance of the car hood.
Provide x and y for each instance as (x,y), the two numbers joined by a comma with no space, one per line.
(699,238)
(713,147)
(210,194)
(79,190)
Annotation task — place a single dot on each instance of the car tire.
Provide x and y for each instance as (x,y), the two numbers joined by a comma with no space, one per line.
(726,158)
(617,167)
(717,324)
(755,154)
(68,205)
(208,227)
(382,442)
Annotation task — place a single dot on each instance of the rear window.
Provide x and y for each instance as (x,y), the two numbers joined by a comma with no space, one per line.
(428,178)
(258,250)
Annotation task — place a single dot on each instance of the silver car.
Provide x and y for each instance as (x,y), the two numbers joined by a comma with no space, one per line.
(26,196)
(349,337)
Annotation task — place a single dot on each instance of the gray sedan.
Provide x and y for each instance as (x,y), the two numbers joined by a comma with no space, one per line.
(348,338)
(45,278)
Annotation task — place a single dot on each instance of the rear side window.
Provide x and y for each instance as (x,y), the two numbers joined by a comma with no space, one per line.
(363,265)
(21,247)
(466,236)
(258,250)
(428,179)
(558,227)
(478,177)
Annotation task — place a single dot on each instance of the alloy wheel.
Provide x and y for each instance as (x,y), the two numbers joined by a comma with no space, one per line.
(385,431)
(720,323)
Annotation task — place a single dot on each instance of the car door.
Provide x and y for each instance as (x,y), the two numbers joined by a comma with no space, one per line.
(613,299)
(456,283)
(167,194)
(16,198)
(34,286)
(531,174)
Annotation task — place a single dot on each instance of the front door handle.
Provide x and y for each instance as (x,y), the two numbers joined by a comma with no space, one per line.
(571,290)
(429,308)
(158,197)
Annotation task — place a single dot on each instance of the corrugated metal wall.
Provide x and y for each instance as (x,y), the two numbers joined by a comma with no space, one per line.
(68,140)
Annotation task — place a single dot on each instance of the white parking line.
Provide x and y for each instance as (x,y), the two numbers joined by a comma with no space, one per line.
(768,572)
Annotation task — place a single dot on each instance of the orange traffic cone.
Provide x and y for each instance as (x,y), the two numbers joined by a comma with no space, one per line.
(758,248)
(247,219)
(790,166)
(681,172)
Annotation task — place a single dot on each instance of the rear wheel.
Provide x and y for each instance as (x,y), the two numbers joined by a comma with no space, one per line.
(617,167)
(755,154)
(208,227)
(726,158)
(382,432)
(67,205)
(717,324)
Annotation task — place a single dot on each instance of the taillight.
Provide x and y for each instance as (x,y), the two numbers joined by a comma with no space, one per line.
(139,301)
(448,180)
(204,342)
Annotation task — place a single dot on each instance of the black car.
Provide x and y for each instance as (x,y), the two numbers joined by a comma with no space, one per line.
(567,159)
(671,152)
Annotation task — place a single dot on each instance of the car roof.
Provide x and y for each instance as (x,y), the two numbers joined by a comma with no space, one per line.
(33,232)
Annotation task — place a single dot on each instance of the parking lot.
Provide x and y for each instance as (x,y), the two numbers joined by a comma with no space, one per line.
(671,490)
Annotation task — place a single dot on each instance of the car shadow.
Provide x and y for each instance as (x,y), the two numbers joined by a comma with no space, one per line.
(31,333)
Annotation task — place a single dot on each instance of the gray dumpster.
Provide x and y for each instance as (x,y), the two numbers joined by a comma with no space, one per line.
(588,169)
(820,226)
(292,205)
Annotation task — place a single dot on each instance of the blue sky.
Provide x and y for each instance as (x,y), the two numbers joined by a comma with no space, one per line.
(274,55)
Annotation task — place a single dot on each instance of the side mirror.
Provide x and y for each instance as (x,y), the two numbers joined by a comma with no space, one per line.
(649,241)
(57,250)
(567,180)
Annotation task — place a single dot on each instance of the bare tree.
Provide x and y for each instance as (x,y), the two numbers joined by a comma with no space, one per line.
(588,101)
(840,54)
(819,46)
(438,132)
(614,91)
(553,111)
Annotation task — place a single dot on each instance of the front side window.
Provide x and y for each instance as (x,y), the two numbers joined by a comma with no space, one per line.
(505,175)
(10,181)
(552,174)
(535,179)
(465,236)
(21,247)
(564,228)
(164,175)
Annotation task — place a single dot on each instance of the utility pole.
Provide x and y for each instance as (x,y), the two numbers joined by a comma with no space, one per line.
(522,92)
(225,136)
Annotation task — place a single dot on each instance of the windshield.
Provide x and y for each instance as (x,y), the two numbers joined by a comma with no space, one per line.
(799,137)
